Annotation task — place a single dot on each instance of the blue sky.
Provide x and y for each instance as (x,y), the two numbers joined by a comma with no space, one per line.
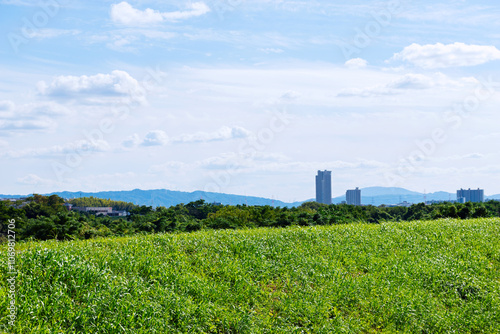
(249,97)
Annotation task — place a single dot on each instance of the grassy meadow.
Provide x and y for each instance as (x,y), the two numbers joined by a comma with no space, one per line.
(438,276)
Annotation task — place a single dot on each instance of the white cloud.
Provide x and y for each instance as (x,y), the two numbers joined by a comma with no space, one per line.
(160,138)
(52,33)
(132,141)
(155,138)
(356,63)
(413,81)
(458,13)
(30,116)
(224,133)
(409,81)
(43,109)
(130,39)
(450,55)
(474,156)
(31,110)
(118,83)
(195,9)
(124,13)
(121,43)
(33,179)
(27,124)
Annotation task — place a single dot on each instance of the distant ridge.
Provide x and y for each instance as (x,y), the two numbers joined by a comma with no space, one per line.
(167,198)
(162,197)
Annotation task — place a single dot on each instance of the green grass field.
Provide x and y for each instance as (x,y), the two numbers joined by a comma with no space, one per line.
(421,277)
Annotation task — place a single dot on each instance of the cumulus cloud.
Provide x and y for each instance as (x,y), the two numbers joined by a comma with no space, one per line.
(224,133)
(155,138)
(356,63)
(413,81)
(30,116)
(116,84)
(124,13)
(451,55)
(160,138)
(132,141)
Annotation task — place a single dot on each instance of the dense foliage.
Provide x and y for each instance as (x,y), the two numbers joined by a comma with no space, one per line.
(438,276)
(44,218)
(100,202)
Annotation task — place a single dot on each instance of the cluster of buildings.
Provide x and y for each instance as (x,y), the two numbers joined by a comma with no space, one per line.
(324,190)
(98,211)
(474,196)
(17,202)
(353,197)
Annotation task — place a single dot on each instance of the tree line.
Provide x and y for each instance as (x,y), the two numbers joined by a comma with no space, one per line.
(45,217)
(101,202)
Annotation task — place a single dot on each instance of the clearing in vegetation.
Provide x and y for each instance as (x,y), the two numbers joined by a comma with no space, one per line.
(438,276)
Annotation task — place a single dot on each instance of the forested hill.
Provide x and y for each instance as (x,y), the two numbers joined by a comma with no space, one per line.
(101,202)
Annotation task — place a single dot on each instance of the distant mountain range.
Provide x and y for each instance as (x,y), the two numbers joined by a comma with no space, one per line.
(161,197)
(166,198)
